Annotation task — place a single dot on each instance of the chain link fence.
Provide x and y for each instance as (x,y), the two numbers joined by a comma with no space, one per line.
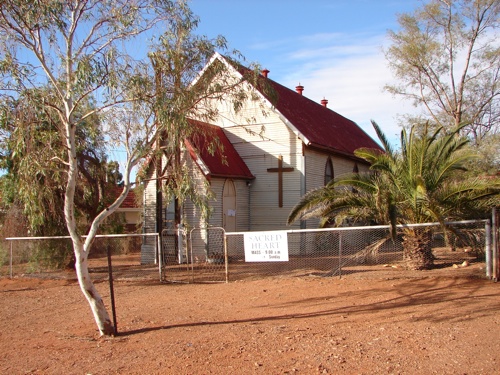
(52,257)
(211,255)
(360,250)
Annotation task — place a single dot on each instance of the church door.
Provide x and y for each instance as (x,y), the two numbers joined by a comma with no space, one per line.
(229,207)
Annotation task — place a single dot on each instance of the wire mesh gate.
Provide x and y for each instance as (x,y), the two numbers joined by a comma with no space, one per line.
(199,255)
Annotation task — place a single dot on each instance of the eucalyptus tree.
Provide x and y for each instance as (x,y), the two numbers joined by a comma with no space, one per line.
(75,48)
(190,80)
(80,49)
(423,182)
(446,57)
(31,149)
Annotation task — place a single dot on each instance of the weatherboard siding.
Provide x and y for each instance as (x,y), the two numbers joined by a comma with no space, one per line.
(260,138)
(260,135)
(316,164)
(216,188)
(192,216)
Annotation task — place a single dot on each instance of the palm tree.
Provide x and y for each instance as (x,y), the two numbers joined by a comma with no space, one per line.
(422,182)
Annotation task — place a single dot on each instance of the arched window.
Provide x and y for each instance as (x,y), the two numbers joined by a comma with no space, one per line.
(328,170)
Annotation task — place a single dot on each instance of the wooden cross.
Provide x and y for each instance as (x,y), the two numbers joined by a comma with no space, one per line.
(280,171)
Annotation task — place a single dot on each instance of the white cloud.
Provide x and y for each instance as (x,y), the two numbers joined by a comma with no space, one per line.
(350,72)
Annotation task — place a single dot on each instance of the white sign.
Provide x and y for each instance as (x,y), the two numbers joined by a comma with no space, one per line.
(269,246)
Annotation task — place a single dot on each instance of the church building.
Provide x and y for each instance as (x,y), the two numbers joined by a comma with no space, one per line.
(291,146)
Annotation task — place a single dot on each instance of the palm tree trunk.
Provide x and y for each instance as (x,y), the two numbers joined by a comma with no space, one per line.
(417,249)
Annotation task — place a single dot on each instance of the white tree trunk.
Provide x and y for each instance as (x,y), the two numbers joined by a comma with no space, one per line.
(90,292)
(80,249)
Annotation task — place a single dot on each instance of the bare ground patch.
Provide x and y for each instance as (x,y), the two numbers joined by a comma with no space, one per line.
(386,321)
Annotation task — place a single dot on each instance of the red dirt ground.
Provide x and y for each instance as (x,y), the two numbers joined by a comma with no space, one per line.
(438,322)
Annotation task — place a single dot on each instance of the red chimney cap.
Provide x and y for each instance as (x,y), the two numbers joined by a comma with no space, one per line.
(324,102)
(265,72)
(299,88)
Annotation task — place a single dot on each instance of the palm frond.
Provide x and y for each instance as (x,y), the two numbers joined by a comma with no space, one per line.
(422,182)
(383,139)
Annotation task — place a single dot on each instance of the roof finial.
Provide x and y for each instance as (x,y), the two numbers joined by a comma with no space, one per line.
(299,88)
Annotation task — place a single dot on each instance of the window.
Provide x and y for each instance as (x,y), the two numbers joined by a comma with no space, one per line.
(328,171)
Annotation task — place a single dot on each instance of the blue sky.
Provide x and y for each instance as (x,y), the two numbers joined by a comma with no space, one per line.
(331,47)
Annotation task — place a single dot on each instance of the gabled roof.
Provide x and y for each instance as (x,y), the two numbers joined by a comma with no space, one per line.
(315,124)
(130,201)
(224,161)
(318,125)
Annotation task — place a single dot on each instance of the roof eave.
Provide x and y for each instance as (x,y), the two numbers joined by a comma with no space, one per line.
(330,150)
(236,177)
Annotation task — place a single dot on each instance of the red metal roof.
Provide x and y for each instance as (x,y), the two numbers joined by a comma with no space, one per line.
(130,200)
(224,161)
(322,127)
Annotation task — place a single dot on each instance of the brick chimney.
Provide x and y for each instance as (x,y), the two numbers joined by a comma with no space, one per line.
(299,89)
(324,102)
(265,72)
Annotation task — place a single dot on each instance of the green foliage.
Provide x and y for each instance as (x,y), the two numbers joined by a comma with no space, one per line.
(33,154)
(424,181)
(183,94)
(114,224)
(92,82)
(446,57)
(4,256)
(487,161)
(75,55)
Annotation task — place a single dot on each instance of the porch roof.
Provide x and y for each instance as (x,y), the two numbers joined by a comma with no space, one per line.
(212,151)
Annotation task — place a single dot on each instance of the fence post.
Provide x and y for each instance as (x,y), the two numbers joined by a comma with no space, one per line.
(226,258)
(159,252)
(340,255)
(494,224)
(487,250)
(10,260)
(112,291)
(189,240)
(180,247)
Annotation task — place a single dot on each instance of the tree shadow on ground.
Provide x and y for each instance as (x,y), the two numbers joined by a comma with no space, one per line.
(411,295)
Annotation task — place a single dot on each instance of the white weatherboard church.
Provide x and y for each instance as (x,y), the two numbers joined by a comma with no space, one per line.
(303,146)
